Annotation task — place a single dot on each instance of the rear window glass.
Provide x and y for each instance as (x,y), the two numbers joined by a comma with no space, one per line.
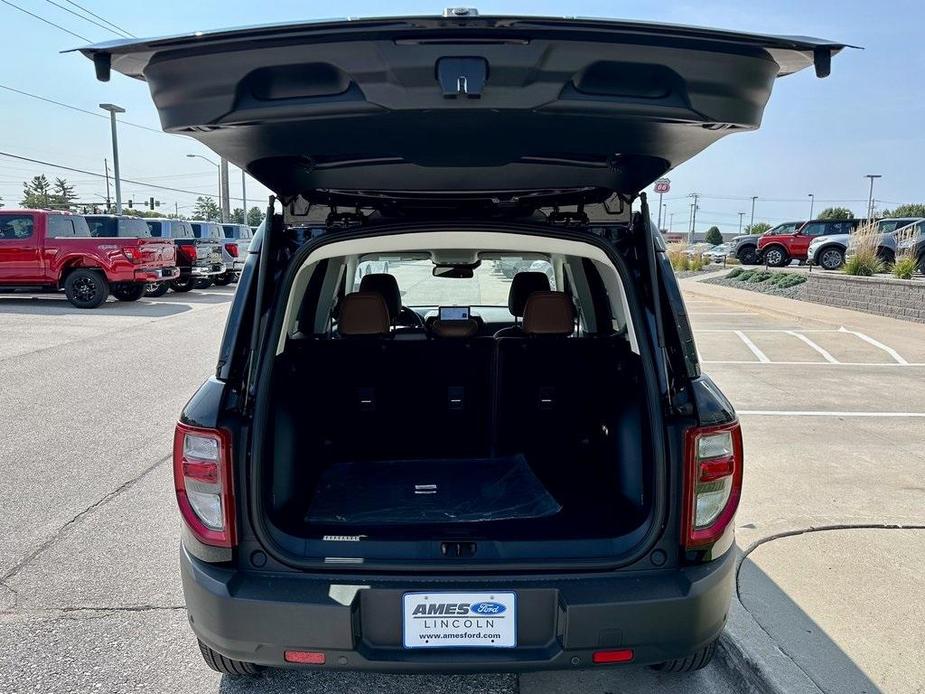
(132,227)
(181,230)
(102,226)
(60,225)
(207,231)
(154,228)
(15,227)
(489,285)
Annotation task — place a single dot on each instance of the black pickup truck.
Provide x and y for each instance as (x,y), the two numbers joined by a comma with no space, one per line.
(197,258)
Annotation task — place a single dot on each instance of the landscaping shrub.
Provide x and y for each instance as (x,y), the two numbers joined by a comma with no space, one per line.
(761,276)
(696,263)
(735,272)
(679,260)
(789,280)
(906,263)
(745,276)
(904,267)
(864,262)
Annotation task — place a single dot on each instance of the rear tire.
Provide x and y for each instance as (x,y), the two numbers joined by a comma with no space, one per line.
(182,285)
(695,661)
(86,288)
(156,289)
(748,256)
(226,666)
(776,256)
(831,258)
(129,292)
(203,283)
(223,280)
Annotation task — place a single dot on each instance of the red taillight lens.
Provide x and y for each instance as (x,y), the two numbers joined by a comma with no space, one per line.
(133,254)
(203,483)
(712,482)
(232,249)
(304,657)
(617,655)
(189,251)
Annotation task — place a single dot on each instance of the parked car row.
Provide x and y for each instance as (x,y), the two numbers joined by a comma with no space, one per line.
(91,257)
(822,242)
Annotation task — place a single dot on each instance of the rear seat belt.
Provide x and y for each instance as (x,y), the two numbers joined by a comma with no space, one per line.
(456,398)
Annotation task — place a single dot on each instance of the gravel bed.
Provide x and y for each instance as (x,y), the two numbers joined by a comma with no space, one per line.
(794,292)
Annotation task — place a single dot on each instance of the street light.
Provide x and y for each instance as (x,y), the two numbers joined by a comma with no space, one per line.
(812,202)
(752,223)
(199,156)
(113,110)
(870,197)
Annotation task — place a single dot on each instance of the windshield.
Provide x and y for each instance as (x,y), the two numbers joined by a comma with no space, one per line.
(489,285)
(786,228)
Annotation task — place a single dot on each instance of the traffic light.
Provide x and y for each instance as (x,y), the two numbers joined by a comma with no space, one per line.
(151,202)
(130,204)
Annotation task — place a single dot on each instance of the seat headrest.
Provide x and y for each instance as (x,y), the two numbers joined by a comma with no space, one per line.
(522,286)
(454,328)
(387,286)
(549,313)
(363,313)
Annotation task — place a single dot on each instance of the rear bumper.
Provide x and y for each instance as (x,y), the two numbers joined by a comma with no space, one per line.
(356,620)
(207,270)
(155,274)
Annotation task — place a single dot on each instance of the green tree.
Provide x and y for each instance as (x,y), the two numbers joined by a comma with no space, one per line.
(63,195)
(237,216)
(37,193)
(207,209)
(757,228)
(912,209)
(255,217)
(835,213)
(714,236)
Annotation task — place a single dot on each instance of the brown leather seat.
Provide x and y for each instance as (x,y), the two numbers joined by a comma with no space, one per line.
(454,328)
(387,286)
(363,314)
(549,313)
(522,286)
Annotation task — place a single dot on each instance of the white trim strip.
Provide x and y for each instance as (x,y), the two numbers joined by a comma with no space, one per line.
(762,330)
(809,363)
(722,313)
(826,413)
(825,355)
(762,357)
(889,350)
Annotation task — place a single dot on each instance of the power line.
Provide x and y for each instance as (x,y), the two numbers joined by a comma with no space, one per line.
(89,12)
(87,19)
(124,180)
(77,108)
(42,19)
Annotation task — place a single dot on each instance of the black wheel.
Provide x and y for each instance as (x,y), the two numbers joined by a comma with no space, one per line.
(86,288)
(776,256)
(831,258)
(695,661)
(182,285)
(226,666)
(224,279)
(748,255)
(887,257)
(156,289)
(130,291)
(203,283)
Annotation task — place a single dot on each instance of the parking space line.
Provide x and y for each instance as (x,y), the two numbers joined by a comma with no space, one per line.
(826,413)
(825,355)
(889,350)
(810,363)
(722,313)
(762,357)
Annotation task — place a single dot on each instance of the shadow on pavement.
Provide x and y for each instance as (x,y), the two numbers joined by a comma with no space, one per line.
(311,682)
(52,305)
(797,635)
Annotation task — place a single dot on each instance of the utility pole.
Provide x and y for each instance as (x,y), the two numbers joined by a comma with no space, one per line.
(108,200)
(812,202)
(244,195)
(693,230)
(670,221)
(176,209)
(741,214)
(752,223)
(226,198)
(870,197)
(113,110)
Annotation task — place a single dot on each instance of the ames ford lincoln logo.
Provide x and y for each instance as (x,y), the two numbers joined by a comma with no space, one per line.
(447,620)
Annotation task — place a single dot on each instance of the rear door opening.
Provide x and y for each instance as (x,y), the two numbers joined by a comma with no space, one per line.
(489,419)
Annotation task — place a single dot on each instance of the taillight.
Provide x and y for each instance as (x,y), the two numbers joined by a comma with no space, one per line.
(203,483)
(189,251)
(232,249)
(712,482)
(133,254)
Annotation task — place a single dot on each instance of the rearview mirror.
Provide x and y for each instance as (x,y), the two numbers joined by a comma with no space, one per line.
(453,271)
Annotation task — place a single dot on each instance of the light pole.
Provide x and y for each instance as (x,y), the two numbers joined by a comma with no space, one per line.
(244,195)
(751,224)
(693,232)
(812,203)
(113,110)
(670,221)
(741,214)
(870,197)
(199,156)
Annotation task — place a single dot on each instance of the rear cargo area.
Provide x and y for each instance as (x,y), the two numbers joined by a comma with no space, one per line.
(478,439)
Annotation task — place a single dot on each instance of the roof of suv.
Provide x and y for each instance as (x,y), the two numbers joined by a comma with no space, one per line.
(512,109)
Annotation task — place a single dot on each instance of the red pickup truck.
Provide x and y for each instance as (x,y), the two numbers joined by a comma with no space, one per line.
(48,249)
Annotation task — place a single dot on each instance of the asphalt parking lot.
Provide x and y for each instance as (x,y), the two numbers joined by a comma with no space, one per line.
(89,589)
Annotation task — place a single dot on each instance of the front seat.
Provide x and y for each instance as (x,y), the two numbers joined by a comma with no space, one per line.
(522,286)
(363,314)
(386,286)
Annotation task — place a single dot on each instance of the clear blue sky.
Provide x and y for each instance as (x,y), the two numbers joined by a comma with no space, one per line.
(818,136)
